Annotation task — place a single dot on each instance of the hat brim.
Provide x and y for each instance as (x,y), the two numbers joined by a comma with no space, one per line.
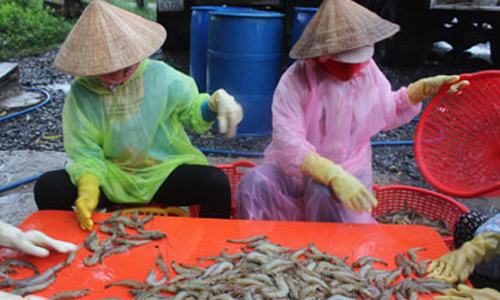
(107,38)
(339,26)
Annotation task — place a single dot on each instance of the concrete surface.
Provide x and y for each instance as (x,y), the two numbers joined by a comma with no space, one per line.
(15,166)
(20,166)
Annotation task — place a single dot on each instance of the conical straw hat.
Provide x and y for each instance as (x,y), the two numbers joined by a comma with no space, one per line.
(106,39)
(341,25)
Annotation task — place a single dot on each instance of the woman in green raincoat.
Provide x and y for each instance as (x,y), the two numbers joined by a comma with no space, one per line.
(124,122)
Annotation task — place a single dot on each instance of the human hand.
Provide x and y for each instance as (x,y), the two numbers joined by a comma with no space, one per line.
(464,292)
(229,112)
(87,201)
(348,188)
(457,265)
(353,193)
(31,242)
(454,266)
(9,296)
(426,87)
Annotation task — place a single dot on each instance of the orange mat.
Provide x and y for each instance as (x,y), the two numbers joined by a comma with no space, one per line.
(191,238)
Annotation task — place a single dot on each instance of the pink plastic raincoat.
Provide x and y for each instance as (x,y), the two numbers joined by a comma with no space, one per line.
(313,111)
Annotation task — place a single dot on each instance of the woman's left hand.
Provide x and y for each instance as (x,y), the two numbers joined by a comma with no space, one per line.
(229,112)
(426,87)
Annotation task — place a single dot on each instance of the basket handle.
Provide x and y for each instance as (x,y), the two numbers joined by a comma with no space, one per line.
(238,164)
(243,164)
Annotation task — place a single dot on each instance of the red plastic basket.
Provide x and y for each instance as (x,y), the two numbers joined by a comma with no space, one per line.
(234,173)
(431,204)
(457,141)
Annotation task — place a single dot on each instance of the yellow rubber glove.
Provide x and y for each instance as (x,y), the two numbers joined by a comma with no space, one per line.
(457,265)
(465,292)
(426,87)
(88,198)
(229,112)
(349,189)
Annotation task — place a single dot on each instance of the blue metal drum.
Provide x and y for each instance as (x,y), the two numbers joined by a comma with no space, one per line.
(301,17)
(198,45)
(200,19)
(244,57)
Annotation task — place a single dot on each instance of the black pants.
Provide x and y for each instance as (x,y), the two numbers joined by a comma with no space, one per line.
(186,185)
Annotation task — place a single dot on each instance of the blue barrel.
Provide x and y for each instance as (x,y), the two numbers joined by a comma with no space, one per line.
(244,58)
(200,19)
(301,17)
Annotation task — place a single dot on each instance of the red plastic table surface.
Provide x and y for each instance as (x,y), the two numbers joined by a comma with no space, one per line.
(191,238)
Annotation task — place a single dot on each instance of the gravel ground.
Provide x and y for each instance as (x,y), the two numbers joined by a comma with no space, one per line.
(40,130)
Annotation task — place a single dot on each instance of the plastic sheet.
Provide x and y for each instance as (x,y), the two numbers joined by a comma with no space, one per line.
(191,238)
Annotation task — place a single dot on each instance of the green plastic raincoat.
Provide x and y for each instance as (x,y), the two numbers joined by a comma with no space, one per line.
(133,138)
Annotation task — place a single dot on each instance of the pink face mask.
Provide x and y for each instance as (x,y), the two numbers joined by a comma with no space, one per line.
(118,77)
(341,70)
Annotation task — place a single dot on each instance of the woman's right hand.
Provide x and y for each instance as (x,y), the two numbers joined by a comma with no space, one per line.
(348,188)
(88,199)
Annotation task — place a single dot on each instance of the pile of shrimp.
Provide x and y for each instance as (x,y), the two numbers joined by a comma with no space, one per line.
(120,239)
(265,270)
(38,281)
(409,216)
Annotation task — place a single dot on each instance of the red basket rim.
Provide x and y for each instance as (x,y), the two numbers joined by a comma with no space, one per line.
(459,205)
(492,190)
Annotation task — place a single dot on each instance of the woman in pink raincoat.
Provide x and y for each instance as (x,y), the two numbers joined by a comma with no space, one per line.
(326,108)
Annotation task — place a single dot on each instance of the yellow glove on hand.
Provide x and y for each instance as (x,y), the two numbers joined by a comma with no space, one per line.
(426,87)
(457,265)
(88,198)
(349,189)
(229,112)
(465,292)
